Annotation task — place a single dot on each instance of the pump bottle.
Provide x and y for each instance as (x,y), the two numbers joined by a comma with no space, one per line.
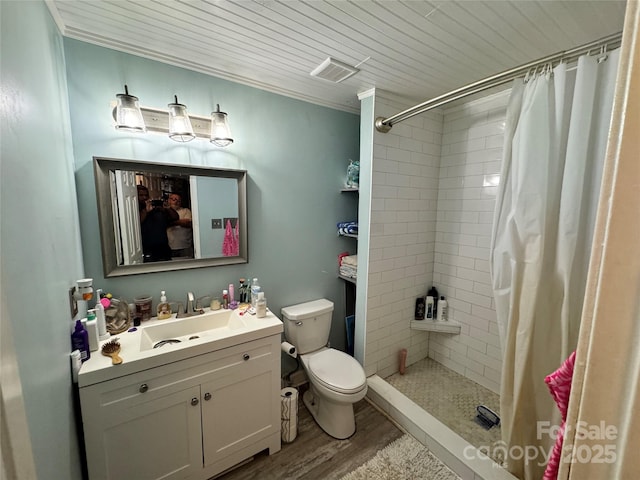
(164,309)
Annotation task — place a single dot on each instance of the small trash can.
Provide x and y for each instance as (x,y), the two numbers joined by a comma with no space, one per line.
(289,414)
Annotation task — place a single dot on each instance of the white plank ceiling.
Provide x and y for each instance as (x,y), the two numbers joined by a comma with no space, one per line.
(413,48)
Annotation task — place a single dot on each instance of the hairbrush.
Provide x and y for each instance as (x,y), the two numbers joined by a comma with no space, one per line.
(111,349)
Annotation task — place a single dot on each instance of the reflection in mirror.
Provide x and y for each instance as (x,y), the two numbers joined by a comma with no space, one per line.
(159,217)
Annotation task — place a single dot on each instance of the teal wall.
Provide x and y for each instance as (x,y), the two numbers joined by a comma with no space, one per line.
(40,256)
(296,155)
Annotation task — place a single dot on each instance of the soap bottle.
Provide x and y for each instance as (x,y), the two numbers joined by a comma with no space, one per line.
(80,341)
(255,289)
(433,292)
(429,309)
(442,309)
(164,309)
(261,305)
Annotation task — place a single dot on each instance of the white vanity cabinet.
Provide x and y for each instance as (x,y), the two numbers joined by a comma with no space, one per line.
(190,419)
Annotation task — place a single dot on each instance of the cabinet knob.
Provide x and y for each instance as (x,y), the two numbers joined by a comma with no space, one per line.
(143,388)
(246,357)
(207,396)
(194,401)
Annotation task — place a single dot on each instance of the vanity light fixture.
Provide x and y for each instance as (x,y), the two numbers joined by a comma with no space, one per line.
(220,131)
(127,113)
(180,128)
(175,122)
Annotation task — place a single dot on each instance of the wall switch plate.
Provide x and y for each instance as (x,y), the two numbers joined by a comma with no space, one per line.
(216,223)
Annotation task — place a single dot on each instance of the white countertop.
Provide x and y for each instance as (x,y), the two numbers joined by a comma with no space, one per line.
(135,358)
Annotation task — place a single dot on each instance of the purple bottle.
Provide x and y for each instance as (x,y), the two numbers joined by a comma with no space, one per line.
(80,341)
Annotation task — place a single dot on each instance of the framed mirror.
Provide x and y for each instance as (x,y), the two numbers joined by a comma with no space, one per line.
(162,217)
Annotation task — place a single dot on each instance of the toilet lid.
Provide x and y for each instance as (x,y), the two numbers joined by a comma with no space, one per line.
(337,371)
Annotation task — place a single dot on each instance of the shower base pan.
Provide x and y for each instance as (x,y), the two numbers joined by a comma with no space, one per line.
(458,454)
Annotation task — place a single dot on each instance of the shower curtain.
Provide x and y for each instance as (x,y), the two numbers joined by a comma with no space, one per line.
(555,140)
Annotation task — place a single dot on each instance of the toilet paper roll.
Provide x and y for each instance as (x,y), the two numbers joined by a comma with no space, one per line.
(289,414)
(289,349)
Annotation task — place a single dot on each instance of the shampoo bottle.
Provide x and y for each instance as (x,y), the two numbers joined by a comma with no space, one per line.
(443,306)
(164,309)
(433,292)
(80,341)
(429,309)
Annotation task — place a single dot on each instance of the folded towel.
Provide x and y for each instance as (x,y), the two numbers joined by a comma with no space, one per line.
(350,260)
(348,271)
(348,231)
(347,228)
(346,224)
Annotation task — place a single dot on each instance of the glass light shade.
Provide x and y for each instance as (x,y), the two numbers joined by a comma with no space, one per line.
(127,113)
(220,131)
(180,128)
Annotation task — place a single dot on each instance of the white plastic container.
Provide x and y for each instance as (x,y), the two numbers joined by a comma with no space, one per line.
(261,305)
(443,308)
(255,289)
(101,318)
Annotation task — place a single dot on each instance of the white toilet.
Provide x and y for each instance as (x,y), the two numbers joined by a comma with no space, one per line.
(336,380)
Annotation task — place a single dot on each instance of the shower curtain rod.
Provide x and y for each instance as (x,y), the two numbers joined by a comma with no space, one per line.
(384,124)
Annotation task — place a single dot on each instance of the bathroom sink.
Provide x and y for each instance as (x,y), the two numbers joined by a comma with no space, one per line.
(192,328)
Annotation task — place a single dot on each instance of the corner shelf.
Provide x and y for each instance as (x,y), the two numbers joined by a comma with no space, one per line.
(347,189)
(350,235)
(438,327)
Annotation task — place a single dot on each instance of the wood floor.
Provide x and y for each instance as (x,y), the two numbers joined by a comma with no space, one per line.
(314,455)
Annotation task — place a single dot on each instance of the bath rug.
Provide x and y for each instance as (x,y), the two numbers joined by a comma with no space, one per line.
(403,459)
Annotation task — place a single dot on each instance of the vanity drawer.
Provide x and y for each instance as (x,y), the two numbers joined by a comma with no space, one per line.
(168,379)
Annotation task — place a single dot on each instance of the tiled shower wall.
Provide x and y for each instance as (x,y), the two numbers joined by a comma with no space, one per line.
(472,144)
(404,195)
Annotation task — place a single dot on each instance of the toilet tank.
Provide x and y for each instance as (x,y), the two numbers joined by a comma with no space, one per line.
(307,325)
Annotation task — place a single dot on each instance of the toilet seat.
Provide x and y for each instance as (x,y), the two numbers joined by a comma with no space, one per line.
(336,371)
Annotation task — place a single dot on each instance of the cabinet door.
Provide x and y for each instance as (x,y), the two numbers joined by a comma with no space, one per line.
(238,410)
(149,440)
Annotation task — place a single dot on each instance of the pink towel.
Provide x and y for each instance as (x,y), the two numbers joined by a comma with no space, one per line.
(559,383)
(230,246)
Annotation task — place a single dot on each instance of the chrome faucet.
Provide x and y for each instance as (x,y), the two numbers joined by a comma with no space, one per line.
(191,311)
(190,300)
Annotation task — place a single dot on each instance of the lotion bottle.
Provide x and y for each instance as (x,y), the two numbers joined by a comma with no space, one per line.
(101,319)
(164,309)
(443,306)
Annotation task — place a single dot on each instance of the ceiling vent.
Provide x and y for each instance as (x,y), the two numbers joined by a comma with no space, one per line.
(334,70)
